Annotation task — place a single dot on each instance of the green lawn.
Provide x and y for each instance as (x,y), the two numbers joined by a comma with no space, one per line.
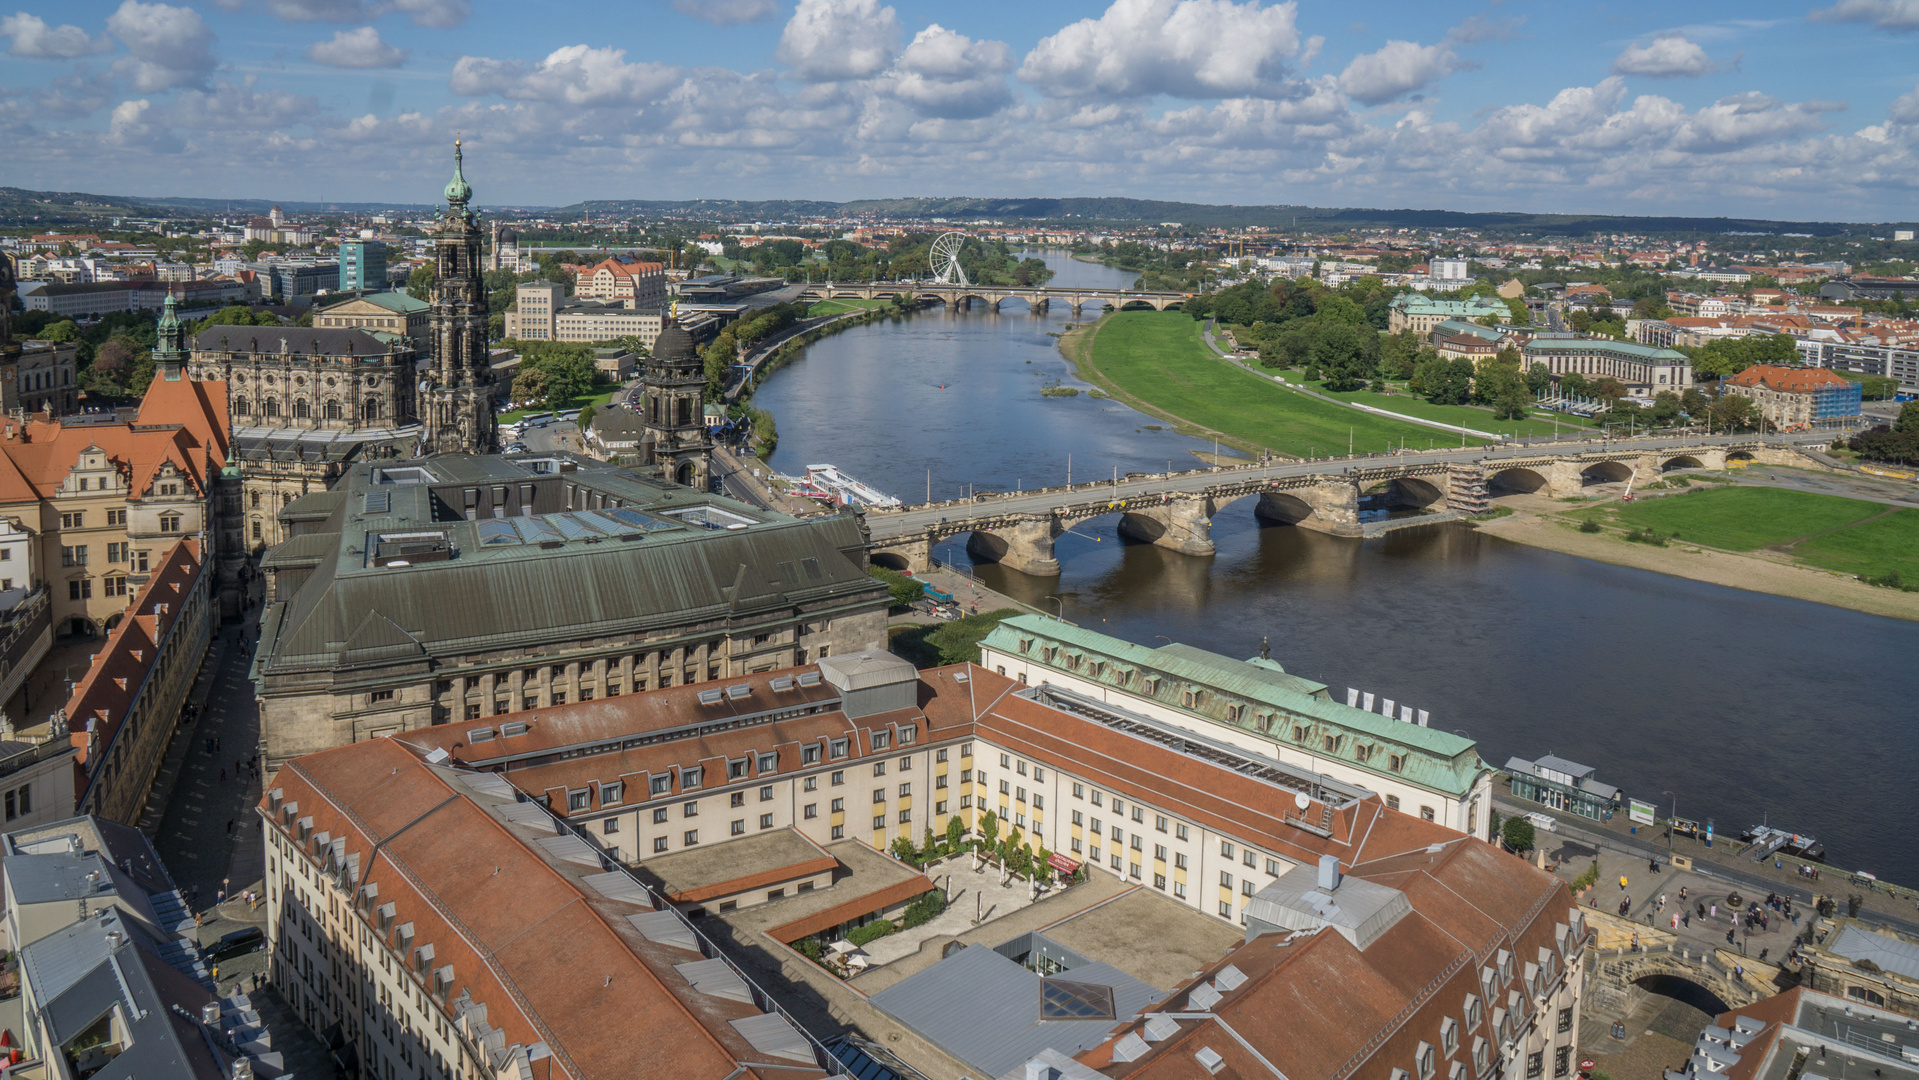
(1742,518)
(1875,549)
(1160,359)
(842,306)
(595,400)
(1462,415)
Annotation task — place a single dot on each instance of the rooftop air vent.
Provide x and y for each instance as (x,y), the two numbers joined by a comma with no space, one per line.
(1229,978)
(512,728)
(1210,1058)
(734,693)
(1130,1048)
(1160,1026)
(809,678)
(711,697)
(782,684)
(1203,996)
(480,735)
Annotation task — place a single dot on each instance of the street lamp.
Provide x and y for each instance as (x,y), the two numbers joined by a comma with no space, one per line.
(1062,607)
(1669,825)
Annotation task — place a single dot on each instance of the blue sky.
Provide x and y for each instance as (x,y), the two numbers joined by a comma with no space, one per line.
(1796,110)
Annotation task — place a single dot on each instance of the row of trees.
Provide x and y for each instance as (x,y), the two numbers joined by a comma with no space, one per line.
(742,334)
(554,374)
(1897,443)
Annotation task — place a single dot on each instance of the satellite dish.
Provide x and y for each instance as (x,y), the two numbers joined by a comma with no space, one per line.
(1302,800)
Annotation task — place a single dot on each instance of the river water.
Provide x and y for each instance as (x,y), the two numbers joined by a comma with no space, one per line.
(1748,707)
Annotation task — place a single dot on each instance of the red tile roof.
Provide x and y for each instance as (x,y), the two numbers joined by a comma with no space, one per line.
(1792,380)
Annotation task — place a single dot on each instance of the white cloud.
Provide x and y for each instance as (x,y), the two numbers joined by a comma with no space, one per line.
(360,48)
(947,74)
(1905,108)
(31,36)
(298,11)
(575,74)
(1665,57)
(728,12)
(438,14)
(1400,68)
(831,40)
(168,46)
(1185,48)
(1894,15)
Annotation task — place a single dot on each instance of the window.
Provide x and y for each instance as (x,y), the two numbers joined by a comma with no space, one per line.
(659,785)
(1392,802)
(690,778)
(1159,882)
(659,816)
(839,832)
(1119,805)
(1247,856)
(839,778)
(1159,852)
(610,793)
(1097,797)
(1426,813)
(378,696)
(692,837)
(80,590)
(1565,1020)
(169,523)
(905,790)
(1079,791)
(576,801)
(74,555)
(1448,1035)
(739,827)
(1424,1060)
(906,816)
(1225,849)
(73,520)
(1233,713)
(736,770)
(116,585)
(879,795)
(1159,822)
(1006,787)
(811,783)
(811,811)
(1179,860)
(1179,831)
(837,748)
(610,826)
(882,740)
(1019,794)
(1225,909)
(768,763)
(940,807)
(766,793)
(879,768)
(1535,1064)
(1179,889)
(839,806)
(1225,879)
(939,781)
(738,800)
(1562,1061)
(140,557)
(809,755)
(659,844)
(1396,762)
(691,809)
(879,822)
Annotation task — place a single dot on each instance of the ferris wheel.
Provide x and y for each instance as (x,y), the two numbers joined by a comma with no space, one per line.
(943,259)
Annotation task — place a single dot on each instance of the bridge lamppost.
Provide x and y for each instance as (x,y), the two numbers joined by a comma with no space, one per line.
(1669,825)
(1062,607)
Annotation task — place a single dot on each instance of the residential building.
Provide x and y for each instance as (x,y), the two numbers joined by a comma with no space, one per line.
(402,892)
(1790,397)
(1451,269)
(363,265)
(535,303)
(111,982)
(1639,368)
(1866,358)
(616,432)
(1325,891)
(1654,332)
(1256,706)
(298,282)
(1806,1032)
(123,711)
(36,779)
(417,592)
(1563,785)
(640,286)
(1419,313)
(395,312)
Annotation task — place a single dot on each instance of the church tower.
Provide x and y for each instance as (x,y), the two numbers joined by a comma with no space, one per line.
(456,394)
(675,410)
(169,351)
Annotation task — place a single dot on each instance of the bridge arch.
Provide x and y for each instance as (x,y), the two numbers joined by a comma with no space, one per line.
(1518,479)
(1605,472)
(1682,989)
(1282,508)
(1740,455)
(1683,461)
(1416,491)
(888,560)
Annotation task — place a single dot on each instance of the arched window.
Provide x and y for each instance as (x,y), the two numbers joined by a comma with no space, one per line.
(256,500)
(273,407)
(332,409)
(300,409)
(240,406)
(370,410)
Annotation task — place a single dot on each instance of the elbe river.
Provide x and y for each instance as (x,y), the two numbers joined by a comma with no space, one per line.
(1751,708)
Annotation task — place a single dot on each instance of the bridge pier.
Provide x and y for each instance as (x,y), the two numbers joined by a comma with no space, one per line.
(1328,506)
(913,554)
(1182,525)
(1025,545)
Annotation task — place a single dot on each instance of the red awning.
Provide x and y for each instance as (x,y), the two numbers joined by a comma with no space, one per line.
(1061,863)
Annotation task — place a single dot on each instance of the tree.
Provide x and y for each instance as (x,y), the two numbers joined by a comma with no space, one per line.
(419,283)
(1732,412)
(1518,833)
(955,832)
(587,412)
(64,330)
(1341,353)
(1693,403)
(989,828)
(113,366)
(529,384)
(1539,378)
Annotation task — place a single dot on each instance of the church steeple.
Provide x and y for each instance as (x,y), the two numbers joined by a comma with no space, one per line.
(456,402)
(169,353)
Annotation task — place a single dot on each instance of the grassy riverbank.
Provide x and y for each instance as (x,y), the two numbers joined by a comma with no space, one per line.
(1458,415)
(1158,363)
(1789,543)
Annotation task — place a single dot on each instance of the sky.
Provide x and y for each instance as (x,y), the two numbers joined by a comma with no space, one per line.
(1797,109)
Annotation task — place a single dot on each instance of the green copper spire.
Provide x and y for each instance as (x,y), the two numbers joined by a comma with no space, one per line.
(458,191)
(170,353)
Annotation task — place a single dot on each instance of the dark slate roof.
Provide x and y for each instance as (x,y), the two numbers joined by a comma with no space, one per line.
(674,346)
(298,340)
(666,557)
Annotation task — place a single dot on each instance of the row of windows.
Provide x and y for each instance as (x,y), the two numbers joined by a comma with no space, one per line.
(371,409)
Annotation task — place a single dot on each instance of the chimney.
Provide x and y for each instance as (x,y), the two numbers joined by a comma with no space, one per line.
(1328,872)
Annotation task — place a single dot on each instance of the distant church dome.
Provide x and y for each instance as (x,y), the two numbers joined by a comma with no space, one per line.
(674,345)
(508,236)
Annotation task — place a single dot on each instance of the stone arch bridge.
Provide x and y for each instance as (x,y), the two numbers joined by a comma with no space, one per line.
(1707,980)
(1175,510)
(1038,298)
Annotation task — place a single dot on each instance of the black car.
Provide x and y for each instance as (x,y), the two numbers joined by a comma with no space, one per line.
(236,943)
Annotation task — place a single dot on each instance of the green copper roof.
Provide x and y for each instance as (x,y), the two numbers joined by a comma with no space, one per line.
(458,191)
(1434,759)
(168,333)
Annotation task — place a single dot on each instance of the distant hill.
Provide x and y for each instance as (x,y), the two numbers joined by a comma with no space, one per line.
(20,207)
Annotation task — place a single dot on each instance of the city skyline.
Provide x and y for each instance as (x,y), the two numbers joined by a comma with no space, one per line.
(1801,111)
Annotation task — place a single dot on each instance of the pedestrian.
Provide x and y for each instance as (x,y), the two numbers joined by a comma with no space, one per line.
(1622,883)
(1687,920)
(223,775)
(1675,920)
(196,920)
(229,826)
(1729,937)
(216,975)
(1715,911)
(1662,901)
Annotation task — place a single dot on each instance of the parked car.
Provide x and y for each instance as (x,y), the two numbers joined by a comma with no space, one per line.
(237,943)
